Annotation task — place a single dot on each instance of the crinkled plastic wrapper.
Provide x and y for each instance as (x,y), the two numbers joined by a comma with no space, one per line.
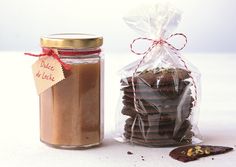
(159,100)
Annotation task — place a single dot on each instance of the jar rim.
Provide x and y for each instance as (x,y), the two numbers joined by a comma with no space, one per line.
(71,41)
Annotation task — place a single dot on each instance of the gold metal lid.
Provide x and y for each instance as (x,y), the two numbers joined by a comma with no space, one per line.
(71,41)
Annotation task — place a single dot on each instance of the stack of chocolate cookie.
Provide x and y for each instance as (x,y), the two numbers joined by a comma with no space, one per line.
(163,101)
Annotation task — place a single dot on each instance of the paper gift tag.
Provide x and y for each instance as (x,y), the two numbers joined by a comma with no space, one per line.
(47,72)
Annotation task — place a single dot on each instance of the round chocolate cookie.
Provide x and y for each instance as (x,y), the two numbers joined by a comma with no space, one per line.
(155,136)
(158,113)
(130,110)
(156,91)
(161,142)
(157,88)
(146,106)
(156,101)
(158,135)
(162,77)
(139,122)
(161,129)
(147,123)
(147,100)
(148,96)
(146,137)
(162,118)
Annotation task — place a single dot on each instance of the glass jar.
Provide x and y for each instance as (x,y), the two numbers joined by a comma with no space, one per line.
(71,112)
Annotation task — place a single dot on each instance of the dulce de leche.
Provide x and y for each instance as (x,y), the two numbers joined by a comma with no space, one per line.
(71,111)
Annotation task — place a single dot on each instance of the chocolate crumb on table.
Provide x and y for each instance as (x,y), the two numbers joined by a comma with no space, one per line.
(194,152)
(129,153)
(142,157)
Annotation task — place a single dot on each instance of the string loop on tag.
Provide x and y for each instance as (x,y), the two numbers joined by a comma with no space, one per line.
(55,54)
(52,53)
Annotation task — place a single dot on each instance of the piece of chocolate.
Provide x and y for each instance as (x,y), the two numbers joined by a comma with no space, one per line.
(194,152)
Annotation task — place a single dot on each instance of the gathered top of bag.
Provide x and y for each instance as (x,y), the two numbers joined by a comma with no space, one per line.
(156,21)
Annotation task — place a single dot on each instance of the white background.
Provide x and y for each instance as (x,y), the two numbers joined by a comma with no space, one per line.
(209,24)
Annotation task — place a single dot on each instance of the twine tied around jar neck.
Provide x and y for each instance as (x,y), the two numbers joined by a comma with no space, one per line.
(55,54)
(155,43)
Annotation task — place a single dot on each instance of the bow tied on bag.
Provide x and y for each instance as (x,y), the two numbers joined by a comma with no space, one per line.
(160,42)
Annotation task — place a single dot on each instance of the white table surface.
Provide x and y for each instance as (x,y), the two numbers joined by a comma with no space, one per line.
(19,120)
